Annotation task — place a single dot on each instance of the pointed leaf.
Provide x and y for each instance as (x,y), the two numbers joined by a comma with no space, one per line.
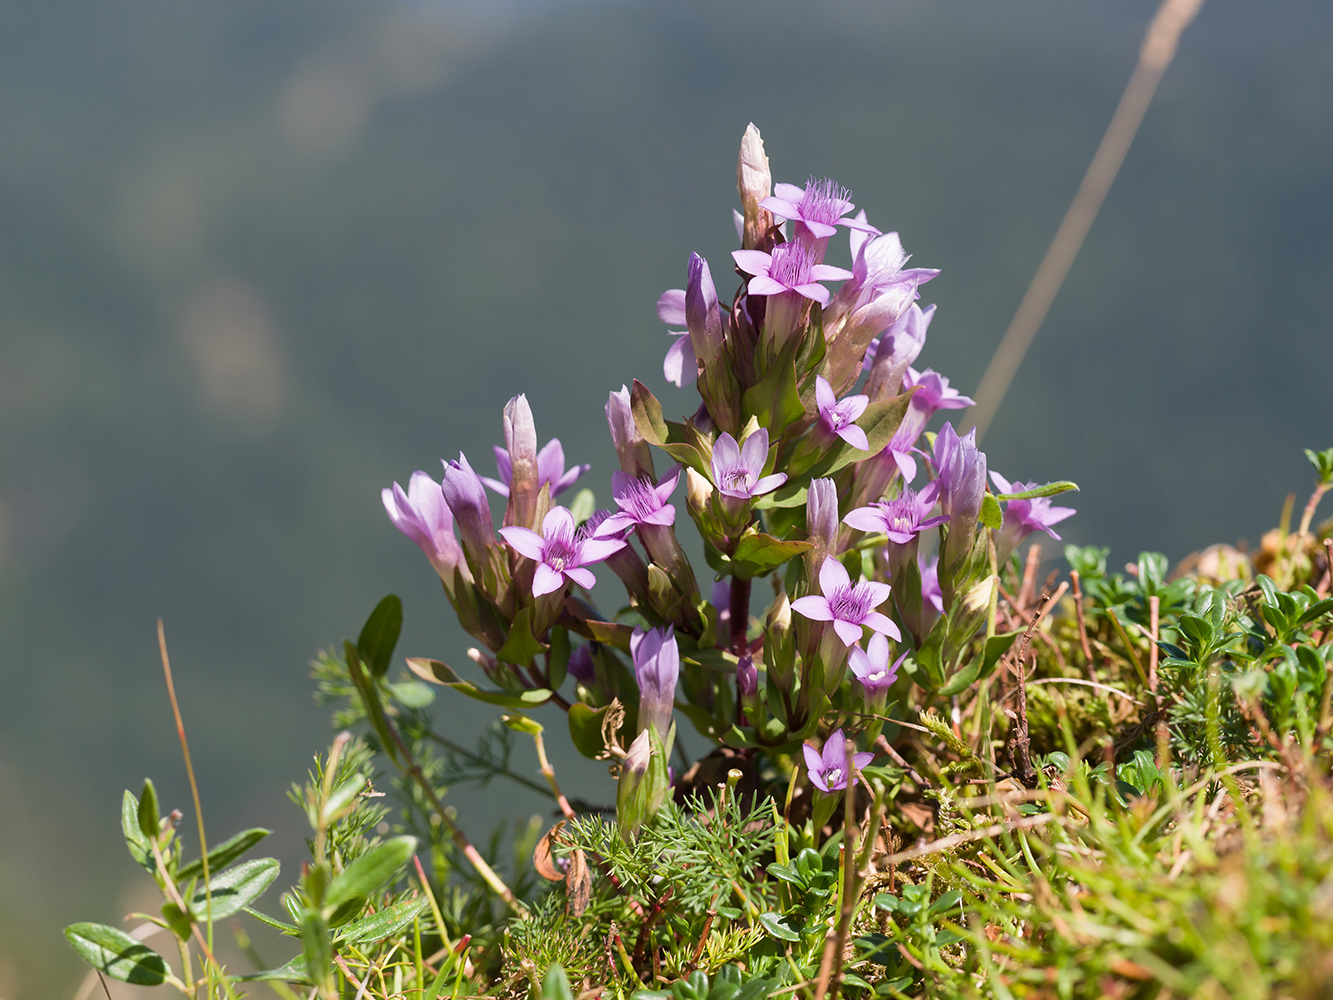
(1048,490)
(117,955)
(235,888)
(379,635)
(374,870)
(135,841)
(383,925)
(293,972)
(223,854)
(441,673)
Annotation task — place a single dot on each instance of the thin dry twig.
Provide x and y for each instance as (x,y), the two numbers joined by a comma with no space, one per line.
(1159,46)
(966,837)
(1082,627)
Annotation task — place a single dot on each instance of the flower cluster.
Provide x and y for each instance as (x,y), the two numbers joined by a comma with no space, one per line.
(803,465)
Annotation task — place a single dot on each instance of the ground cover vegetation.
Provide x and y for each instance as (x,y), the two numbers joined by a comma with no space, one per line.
(934,767)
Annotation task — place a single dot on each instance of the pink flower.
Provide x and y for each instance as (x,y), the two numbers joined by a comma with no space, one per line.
(847,606)
(562,552)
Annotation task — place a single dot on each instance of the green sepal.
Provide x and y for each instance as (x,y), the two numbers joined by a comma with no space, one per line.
(673,438)
(775,401)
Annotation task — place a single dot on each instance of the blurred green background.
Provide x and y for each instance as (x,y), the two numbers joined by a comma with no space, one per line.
(258,260)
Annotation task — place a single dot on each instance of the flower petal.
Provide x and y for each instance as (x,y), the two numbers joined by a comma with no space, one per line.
(680,367)
(764,285)
(824,397)
(551,463)
(671,307)
(754,453)
(827,272)
(865,519)
(667,486)
(814,607)
(784,207)
(855,437)
(557,519)
(524,541)
(499,488)
(583,577)
(768,484)
(596,548)
(832,575)
(546,580)
(849,634)
(812,291)
(876,592)
(834,753)
(882,623)
(754,262)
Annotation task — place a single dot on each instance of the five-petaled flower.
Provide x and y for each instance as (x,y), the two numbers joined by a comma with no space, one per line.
(550,470)
(903,518)
(828,769)
(839,415)
(871,666)
(791,267)
(848,606)
(640,502)
(561,551)
(737,469)
(1023,517)
(820,206)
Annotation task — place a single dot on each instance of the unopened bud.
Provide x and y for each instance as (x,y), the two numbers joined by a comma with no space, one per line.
(754,183)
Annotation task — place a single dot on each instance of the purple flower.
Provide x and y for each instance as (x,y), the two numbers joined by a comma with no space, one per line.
(747,677)
(820,207)
(791,267)
(871,666)
(640,502)
(899,345)
(550,469)
(930,583)
(631,448)
(901,519)
(737,470)
(680,365)
(560,550)
(935,393)
(839,415)
(656,669)
(877,268)
(962,475)
(848,607)
(828,770)
(422,515)
(1023,517)
(821,515)
(466,498)
(581,665)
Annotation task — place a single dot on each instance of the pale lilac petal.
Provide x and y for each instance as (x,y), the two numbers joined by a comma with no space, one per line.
(832,575)
(665,517)
(835,750)
(906,465)
(524,541)
(876,591)
(764,285)
(667,486)
(754,453)
(783,207)
(768,484)
(859,223)
(849,634)
(680,366)
(855,437)
(557,519)
(569,479)
(816,293)
(497,487)
(614,525)
(739,221)
(865,519)
(880,623)
(551,463)
(1002,485)
(752,261)
(827,272)
(671,307)
(824,397)
(583,577)
(503,464)
(818,229)
(859,662)
(790,193)
(596,548)
(814,607)
(726,454)
(860,760)
(854,406)
(546,580)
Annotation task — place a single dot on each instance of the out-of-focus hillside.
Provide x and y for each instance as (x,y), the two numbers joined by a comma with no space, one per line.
(257,261)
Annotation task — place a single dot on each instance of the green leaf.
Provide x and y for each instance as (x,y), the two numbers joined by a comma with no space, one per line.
(787,874)
(982,665)
(135,841)
(374,870)
(441,673)
(521,646)
(759,553)
(118,955)
(775,925)
(383,925)
(585,728)
(177,919)
(370,699)
(880,421)
(557,666)
(1315,611)
(293,972)
(289,929)
(149,823)
(318,947)
(786,496)
(775,401)
(235,888)
(673,438)
(223,854)
(555,986)
(411,694)
(583,505)
(1049,490)
(991,515)
(380,635)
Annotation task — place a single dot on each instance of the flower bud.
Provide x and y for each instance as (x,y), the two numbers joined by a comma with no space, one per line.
(821,520)
(656,669)
(643,783)
(466,498)
(521,442)
(635,456)
(966,618)
(754,182)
